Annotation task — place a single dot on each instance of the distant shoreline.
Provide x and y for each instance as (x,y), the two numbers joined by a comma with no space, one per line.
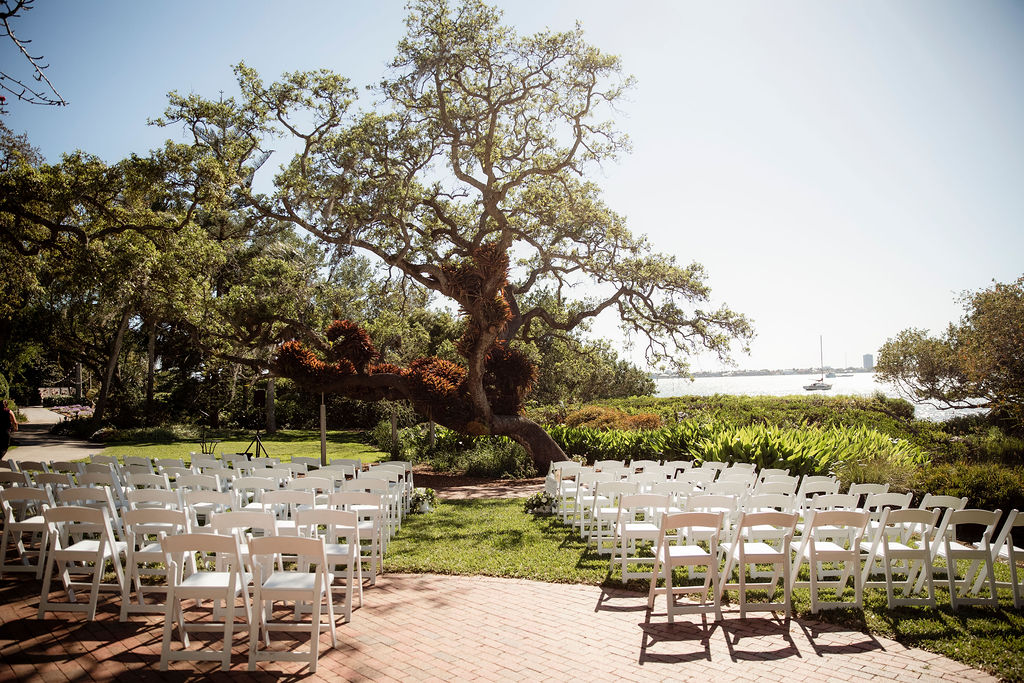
(761,373)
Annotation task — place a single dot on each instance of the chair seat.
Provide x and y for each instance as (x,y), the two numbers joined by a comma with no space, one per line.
(206,580)
(90,547)
(292,581)
(338,552)
(825,548)
(754,549)
(676,552)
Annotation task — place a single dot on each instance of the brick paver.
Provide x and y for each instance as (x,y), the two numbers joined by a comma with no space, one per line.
(431,627)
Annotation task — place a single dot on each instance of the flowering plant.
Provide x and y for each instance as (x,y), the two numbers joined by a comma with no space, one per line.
(541,502)
(421,496)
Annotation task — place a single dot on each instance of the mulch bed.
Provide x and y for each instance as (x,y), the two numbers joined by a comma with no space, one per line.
(461,487)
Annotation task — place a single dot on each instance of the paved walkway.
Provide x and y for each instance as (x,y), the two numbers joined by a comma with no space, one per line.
(36,443)
(444,628)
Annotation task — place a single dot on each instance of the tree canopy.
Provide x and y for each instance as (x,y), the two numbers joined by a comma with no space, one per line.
(468,177)
(977,362)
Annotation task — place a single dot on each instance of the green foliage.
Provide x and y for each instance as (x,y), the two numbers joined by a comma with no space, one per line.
(987,486)
(493,457)
(977,361)
(807,450)
(604,417)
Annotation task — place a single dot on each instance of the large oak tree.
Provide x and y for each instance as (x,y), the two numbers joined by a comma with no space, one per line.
(468,176)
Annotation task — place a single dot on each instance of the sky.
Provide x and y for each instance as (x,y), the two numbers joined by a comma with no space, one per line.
(843,169)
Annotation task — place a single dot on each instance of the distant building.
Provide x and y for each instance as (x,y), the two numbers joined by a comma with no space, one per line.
(869,361)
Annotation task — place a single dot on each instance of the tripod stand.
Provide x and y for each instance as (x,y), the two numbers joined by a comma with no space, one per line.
(258,442)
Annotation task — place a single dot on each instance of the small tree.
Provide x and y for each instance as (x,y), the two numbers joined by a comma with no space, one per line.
(978,362)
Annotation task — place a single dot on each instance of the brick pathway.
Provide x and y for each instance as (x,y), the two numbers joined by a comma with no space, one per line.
(442,628)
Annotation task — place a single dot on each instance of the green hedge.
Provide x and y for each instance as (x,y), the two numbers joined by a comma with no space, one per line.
(805,450)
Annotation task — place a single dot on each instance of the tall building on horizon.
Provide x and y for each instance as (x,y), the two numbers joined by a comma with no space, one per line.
(869,361)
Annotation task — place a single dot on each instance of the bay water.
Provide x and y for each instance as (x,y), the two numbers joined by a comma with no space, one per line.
(859,384)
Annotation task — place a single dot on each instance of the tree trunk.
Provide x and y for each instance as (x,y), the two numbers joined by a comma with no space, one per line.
(270,406)
(150,372)
(108,375)
(531,436)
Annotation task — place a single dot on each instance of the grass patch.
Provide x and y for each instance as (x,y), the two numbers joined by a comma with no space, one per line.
(285,444)
(496,537)
(493,537)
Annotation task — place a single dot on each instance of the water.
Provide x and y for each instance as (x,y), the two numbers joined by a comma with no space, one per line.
(860,384)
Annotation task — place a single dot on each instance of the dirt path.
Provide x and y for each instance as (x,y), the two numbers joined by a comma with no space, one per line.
(451,487)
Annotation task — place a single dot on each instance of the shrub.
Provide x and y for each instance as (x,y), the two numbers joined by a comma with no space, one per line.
(479,456)
(804,450)
(604,417)
(54,401)
(162,434)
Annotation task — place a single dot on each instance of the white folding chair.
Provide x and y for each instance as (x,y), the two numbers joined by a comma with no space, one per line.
(23,508)
(139,461)
(369,507)
(202,505)
(743,553)
(680,549)
(908,553)
(284,504)
(340,531)
(1004,549)
(586,497)
(606,511)
(243,524)
(811,486)
(945,505)
(636,521)
(145,556)
(783,485)
(55,481)
(561,483)
(134,482)
(73,467)
(846,529)
(310,462)
(226,583)
(99,497)
(980,555)
(154,498)
(11,478)
(299,585)
(675,467)
(637,466)
(78,536)
(249,491)
(867,489)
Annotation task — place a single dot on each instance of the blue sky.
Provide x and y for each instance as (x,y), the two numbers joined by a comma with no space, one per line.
(840,168)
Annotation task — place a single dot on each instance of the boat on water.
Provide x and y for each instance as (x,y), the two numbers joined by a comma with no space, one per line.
(820,384)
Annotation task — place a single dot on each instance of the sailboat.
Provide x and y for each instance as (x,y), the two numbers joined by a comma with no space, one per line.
(819,384)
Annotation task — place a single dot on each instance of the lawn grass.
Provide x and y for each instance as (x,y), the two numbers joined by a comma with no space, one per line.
(283,444)
(496,537)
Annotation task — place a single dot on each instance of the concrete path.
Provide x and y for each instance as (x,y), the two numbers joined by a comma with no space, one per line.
(448,628)
(34,442)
